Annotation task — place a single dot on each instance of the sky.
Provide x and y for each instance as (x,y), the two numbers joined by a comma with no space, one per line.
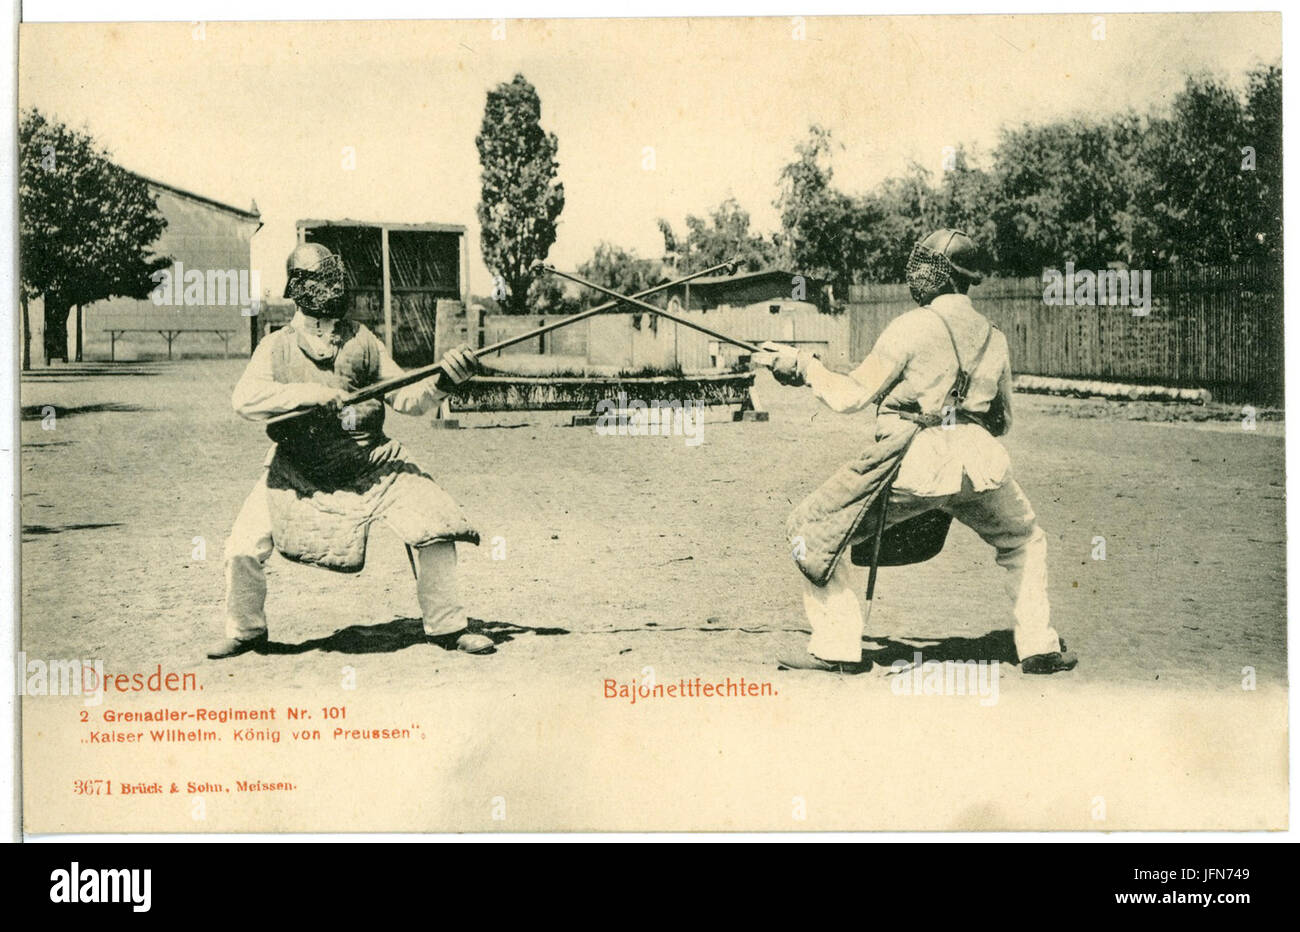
(655,118)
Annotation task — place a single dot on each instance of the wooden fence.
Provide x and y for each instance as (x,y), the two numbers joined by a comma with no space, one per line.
(1218,328)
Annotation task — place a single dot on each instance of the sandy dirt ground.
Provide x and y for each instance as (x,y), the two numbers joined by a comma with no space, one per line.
(626,553)
(623,551)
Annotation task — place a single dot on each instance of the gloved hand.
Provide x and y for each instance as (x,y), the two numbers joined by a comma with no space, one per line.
(323,395)
(788,365)
(458,364)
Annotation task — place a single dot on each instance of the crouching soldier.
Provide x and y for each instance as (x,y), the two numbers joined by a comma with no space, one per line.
(939,377)
(332,471)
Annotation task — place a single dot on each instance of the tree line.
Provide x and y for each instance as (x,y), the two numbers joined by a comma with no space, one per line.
(1195,182)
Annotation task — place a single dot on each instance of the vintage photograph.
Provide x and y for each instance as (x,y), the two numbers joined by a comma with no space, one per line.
(782,424)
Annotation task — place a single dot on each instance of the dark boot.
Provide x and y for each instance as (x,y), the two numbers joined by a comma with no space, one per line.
(1057,661)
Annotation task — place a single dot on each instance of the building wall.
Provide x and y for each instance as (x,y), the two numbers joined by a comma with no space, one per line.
(622,342)
(774,288)
(199,236)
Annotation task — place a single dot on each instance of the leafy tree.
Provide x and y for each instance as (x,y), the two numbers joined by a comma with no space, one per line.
(720,237)
(550,295)
(890,219)
(1134,232)
(620,269)
(85,227)
(1199,187)
(964,199)
(822,232)
(1264,136)
(675,255)
(1067,191)
(845,239)
(1148,190)
(521,198)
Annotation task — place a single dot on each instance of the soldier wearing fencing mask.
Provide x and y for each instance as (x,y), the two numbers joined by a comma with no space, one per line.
(332,472)
(939,377)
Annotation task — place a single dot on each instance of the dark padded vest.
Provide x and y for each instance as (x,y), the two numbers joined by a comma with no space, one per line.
(324,444)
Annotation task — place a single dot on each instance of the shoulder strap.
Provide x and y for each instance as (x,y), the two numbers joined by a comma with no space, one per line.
(962,383)
(988,338)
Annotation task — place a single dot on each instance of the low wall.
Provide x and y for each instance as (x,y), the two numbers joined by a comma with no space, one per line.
(524,393)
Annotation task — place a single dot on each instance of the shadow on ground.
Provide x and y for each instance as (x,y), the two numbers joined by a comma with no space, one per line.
(61,528)
(996,645)
(398,634)
(36,412)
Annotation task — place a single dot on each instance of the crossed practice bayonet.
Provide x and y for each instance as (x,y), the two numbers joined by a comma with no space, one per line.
(637,301)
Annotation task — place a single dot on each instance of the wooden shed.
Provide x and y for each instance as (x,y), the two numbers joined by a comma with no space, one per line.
(397,273)
(775,290)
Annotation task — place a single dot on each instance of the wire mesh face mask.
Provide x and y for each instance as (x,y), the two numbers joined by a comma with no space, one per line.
(318,290)
(929,274)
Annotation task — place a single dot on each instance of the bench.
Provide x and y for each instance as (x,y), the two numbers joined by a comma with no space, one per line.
(167,333)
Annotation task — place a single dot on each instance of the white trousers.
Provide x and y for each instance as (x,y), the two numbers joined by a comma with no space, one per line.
(251,543)
(838,612)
